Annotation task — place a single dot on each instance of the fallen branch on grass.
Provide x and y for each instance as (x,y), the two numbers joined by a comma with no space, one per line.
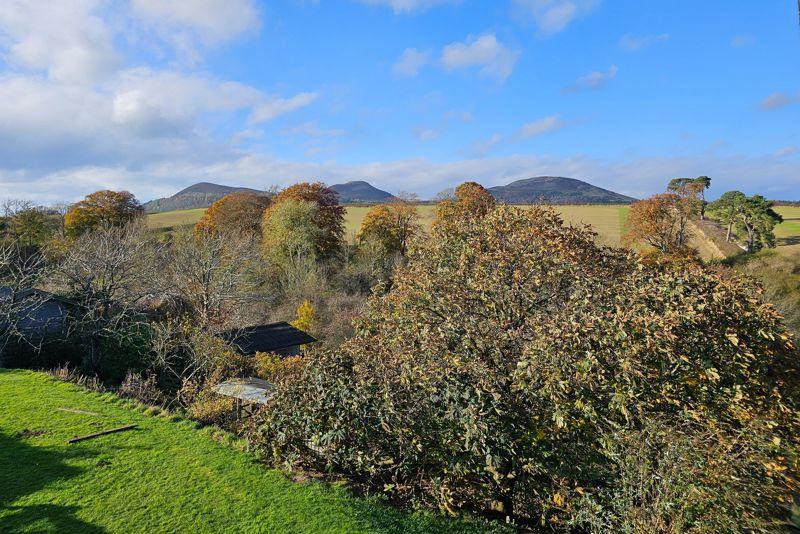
(103,433)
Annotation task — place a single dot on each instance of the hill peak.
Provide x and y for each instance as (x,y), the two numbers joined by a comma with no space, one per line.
(359,191)
(211,188)
(556,190)
(199,195)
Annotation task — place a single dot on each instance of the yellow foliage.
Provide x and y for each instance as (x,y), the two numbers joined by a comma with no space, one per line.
(307,319)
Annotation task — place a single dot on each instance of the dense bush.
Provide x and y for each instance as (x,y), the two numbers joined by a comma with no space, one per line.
(516,367)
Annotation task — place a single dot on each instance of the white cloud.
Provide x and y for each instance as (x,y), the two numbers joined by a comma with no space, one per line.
(777,177)
(553,16)
(405,6)
(410,62)
(538,127)
(633,42)
(70,99)
(63,38)
(593,80)
(276,107)
(778,100)
(486,52)
(210,20)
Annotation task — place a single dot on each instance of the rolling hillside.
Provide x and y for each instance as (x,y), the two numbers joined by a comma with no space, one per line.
(359,192)
(556,190)
(200,195)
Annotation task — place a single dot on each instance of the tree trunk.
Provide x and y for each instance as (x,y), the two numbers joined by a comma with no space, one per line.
(728,235)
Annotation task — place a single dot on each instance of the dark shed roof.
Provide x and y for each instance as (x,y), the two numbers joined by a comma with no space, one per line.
(19,295)
(266,338)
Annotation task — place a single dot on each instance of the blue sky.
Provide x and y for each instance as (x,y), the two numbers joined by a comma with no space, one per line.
(411,95)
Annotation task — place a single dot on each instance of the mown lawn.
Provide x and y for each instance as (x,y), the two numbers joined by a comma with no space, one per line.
(165,476)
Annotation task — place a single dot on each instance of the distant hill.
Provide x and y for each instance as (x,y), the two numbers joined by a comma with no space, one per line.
(360,192)
(556,190)
(200,195)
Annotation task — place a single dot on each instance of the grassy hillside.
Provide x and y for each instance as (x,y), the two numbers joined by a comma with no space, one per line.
(165,476)
(607,220)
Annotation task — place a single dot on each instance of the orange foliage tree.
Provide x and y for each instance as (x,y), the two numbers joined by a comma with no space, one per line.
(660,221)
(392,225)
(102,209)
(471,200)
(237,212)
(330,215)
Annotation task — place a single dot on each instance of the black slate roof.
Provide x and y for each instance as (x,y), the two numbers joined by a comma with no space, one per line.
(266,338)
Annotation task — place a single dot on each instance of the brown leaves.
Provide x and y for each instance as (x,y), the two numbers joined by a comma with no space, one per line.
(234,213)
(513,359)
(102,209)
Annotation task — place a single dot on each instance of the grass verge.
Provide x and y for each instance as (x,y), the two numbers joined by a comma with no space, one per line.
(168,475)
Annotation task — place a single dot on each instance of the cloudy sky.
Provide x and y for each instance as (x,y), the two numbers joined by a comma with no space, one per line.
(411,95)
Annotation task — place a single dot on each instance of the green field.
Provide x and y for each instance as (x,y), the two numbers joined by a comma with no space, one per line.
(788,232)
(607,220)
(165,476)
(174,219)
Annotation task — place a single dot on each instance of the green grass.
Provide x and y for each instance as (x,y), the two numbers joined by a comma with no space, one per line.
(174,219)
(165,476)
(607,220)
(788,232)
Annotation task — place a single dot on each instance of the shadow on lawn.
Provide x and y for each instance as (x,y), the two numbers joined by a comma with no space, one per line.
(26,469)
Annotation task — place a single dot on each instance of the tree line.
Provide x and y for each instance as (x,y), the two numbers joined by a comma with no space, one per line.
(500,362)
(662,221)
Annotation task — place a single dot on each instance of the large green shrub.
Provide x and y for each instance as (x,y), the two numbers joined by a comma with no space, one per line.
(516,367)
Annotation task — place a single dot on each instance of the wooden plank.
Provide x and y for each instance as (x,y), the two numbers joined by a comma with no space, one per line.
(103,433)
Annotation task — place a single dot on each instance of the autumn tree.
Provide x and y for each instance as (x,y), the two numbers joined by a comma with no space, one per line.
(329,218)
(470,200)
(517,367)
(392,224)
(102,209)
(237,212)
(660,221)
(693,189)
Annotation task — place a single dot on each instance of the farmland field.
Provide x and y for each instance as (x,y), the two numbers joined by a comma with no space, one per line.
(174,219)
(607,220)
(167,475)
(788,232)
